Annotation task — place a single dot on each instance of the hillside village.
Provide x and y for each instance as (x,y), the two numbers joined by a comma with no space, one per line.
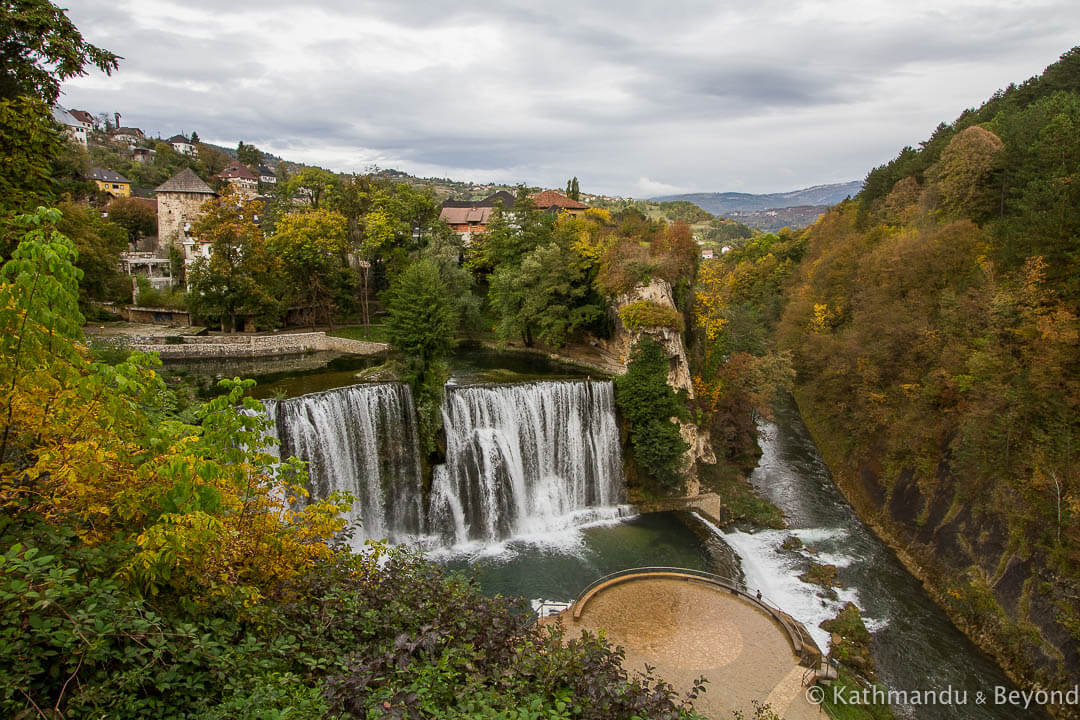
(169,182)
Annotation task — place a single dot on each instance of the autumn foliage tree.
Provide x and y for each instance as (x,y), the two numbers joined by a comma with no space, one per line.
(241,277)
(311,247)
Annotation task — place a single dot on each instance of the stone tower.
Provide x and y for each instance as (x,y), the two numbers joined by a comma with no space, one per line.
(180,200)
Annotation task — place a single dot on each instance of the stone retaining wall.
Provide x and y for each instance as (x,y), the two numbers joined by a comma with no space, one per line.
(239,346)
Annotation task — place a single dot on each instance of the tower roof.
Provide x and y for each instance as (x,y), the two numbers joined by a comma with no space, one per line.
(185,181)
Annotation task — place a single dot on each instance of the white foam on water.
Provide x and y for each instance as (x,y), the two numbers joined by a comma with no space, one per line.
(563,534)
(776,574)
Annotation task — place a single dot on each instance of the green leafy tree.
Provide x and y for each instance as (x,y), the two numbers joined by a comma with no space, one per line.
(421,328)
(444,249)
(315,185)
(573,190)
(41,48)
(418,210)
(422,322)
(648,403)
(28,142)
(311,247)
(963,173)
(211,160)
(137,218)
(547,298)
(99,243)
(511,235)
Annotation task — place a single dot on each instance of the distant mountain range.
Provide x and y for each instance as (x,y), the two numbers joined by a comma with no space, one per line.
(727,204)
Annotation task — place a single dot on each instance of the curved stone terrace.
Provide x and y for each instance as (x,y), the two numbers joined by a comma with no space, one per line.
(689,624)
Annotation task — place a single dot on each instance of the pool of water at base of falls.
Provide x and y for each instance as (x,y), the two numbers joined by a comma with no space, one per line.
(916,648)
(557,567)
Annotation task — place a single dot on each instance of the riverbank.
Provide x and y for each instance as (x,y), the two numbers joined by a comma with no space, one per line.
(984,623)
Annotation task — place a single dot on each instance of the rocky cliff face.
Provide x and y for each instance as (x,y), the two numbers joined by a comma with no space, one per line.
(623,339)
(620,344)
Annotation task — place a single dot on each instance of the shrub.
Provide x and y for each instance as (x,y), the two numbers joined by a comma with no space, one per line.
(648,403)
(648,314)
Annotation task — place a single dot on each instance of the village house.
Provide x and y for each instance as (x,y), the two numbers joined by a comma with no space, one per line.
(128,136)
(706,253)
(240,178)
(143,155)
(471,217)
(182,145)
(555,202)
(109,182)
(85,118)
(76,127)
(179,203)
(267,176)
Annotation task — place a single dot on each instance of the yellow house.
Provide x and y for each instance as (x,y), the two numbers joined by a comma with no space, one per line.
(110,183)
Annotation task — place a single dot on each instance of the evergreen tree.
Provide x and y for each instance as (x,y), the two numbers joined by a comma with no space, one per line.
(249,155)
(422,322)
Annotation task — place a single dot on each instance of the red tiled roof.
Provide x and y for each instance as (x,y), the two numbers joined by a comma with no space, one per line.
(237,170)
(83,116)
(465,215)
(549,198)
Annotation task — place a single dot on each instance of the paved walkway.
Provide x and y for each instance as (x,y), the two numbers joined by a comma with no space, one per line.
(689,629)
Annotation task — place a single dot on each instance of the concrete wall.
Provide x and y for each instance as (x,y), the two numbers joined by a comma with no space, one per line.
(239,346)
(152,315)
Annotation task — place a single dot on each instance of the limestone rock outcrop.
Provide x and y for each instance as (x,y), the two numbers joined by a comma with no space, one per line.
(622,341)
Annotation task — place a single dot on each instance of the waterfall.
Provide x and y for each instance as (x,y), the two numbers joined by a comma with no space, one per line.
(362,440)
(524,459)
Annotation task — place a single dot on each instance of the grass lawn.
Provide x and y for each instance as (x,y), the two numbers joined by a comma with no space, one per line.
(372,333)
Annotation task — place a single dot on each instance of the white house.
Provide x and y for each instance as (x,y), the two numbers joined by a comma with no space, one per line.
(76,128)
(128,136)
(182,145)
(267,176)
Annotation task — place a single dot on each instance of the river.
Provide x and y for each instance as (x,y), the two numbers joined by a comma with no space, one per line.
(916,647)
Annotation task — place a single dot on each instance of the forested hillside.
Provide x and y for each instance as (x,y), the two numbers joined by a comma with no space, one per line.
(933,324)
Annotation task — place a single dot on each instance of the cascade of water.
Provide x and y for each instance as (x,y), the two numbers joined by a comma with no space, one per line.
(361,440)
(524,459)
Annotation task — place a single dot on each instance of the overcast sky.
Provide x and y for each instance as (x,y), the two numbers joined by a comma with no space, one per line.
(635,97)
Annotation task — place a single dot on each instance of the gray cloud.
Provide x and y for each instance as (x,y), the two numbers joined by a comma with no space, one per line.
(627,95)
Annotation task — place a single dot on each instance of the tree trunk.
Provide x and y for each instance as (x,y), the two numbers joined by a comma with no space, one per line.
(364,300)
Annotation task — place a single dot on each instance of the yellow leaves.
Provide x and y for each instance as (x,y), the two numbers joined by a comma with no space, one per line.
(706,393)
(711,299)
(911,390)
(821,320)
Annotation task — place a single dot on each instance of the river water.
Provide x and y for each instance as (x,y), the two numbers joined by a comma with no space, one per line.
(916,646)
